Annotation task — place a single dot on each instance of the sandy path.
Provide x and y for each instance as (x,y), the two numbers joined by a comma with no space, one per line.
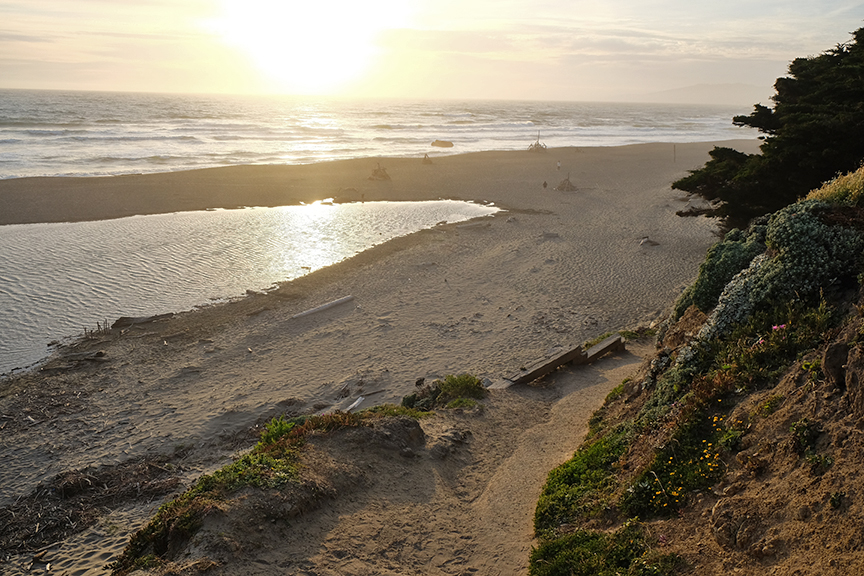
(467,512)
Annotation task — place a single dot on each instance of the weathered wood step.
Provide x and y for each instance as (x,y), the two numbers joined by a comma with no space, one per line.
(548,365)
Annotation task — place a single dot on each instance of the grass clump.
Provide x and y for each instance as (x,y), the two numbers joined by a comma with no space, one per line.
(273,462)
(845,190)
(586,553)
(690,461)
(446,392)
(582,486)
(395,411)
(594,341)
(463,403)
(462,386)
(770,405)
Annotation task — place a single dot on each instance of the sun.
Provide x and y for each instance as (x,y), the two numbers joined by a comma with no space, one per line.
(309,46)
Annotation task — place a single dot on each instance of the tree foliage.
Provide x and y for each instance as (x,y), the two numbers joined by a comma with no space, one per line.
(814,132)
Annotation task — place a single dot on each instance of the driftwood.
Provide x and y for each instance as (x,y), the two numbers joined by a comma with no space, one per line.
(379,173)
(537,146)
(565,185)
(127,321)
(323,307)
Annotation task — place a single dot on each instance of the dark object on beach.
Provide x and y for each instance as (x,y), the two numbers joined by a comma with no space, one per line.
(549,364)
(442,144)
(544,184)
(379,173)
(426,159)
(420,381)
(566,185)
(127,321)
(537,146)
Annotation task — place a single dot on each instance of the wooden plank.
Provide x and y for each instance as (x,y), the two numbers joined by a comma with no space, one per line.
(548,365)
(610,344)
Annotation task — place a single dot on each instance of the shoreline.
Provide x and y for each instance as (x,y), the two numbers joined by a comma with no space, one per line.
(30,200)
(556,269)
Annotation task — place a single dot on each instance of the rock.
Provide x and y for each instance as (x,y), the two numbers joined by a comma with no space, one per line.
(834,364)
(685,329)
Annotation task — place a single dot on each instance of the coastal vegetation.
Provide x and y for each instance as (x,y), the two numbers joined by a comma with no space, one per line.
(274,464)
(460,391)
(768,301)
(811,134)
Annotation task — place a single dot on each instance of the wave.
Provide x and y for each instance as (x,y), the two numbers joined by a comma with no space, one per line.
(131,138)
(54,133)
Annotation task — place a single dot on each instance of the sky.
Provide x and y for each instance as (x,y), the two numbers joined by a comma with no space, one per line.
(588,50)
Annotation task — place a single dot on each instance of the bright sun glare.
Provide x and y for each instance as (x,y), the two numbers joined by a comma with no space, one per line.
(309,46)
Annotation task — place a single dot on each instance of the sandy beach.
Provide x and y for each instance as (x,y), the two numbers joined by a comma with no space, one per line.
(552,269)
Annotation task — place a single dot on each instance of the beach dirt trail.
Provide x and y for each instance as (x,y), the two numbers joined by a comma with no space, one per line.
(460,502)
(554,269)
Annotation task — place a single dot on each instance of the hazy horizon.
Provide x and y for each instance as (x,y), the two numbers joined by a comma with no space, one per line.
(686,95)
(617,51)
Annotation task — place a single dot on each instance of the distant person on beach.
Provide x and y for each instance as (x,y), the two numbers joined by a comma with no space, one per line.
(559,165)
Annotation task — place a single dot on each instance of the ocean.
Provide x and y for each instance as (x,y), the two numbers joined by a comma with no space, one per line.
(55,133)
(58,279)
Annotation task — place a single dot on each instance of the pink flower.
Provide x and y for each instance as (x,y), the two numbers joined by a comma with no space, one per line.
(780,327)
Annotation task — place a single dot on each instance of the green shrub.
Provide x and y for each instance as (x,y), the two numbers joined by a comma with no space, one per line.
(690,460)
(581,486)
(442,392)
(722,262)
(806,255)
(585,553)
(464,403)
(276,429)
(462,386)
(804,435)
(819,463)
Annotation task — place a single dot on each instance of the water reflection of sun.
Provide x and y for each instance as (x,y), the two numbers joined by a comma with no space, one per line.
(309,47)
(320,245)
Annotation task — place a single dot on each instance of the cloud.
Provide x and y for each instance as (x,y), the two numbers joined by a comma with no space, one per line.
(13,37)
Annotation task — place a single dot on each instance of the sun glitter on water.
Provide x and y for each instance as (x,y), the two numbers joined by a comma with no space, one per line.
(309,47)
